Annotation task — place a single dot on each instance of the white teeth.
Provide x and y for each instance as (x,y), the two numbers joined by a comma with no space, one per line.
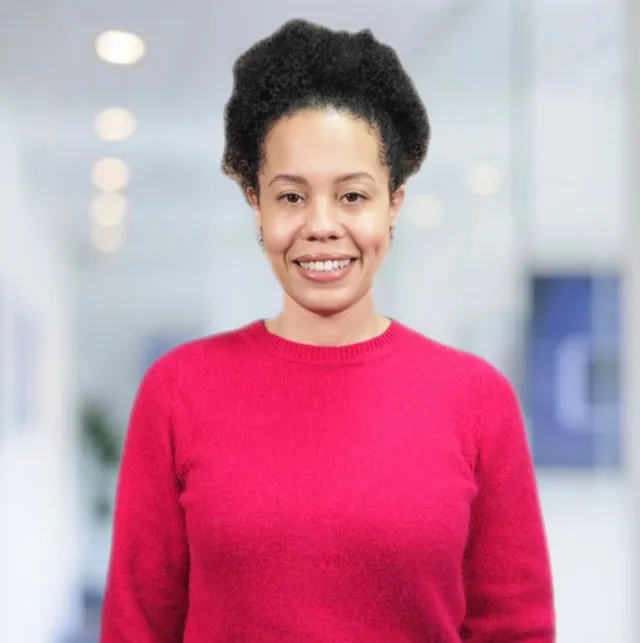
(325,266)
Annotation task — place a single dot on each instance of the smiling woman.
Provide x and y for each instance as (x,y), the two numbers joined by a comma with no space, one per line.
(322,152)
(328,475)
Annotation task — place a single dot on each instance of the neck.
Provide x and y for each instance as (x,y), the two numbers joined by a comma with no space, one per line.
(359,323)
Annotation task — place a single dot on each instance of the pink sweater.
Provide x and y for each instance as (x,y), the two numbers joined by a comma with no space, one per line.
(381,492)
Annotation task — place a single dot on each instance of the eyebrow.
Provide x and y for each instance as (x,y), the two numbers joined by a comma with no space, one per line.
(300,180)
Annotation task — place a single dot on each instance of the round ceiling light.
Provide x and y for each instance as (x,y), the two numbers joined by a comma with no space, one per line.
(108,209)
(120,47)
(107,239)
(425,212)
(115,124)
(484,179)
(110,174)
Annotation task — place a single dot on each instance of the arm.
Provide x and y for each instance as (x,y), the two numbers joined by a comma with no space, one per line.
(507,570)
(147,586)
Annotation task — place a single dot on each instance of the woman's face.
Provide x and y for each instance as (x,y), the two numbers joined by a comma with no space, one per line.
(324,208)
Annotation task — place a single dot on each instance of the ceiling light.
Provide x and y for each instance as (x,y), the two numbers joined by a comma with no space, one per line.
(120,48)
(110,174)
(484,179)
(425,212)
(108,209)
(115,124)
(107,239)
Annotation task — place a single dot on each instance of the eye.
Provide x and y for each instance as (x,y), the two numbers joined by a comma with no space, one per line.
(353,197)
(290,198)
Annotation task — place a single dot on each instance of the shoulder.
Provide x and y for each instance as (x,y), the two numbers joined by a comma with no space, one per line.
(192,361)
(482,396)
(485,403)
(466,369)
(480,399)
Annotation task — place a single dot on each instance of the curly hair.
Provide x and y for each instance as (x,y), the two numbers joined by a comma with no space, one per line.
(304,65)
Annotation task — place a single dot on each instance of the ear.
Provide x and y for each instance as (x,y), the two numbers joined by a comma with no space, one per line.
(397,199)
(254,202)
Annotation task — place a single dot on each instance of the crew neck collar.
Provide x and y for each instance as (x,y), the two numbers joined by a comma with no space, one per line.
(370,349)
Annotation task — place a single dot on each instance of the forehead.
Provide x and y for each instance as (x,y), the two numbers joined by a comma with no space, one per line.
(322,143)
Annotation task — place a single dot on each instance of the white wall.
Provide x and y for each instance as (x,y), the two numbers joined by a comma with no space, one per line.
(39,531)
(578,179)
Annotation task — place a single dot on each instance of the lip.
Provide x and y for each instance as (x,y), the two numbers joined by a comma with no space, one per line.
(323,256)
(329,277)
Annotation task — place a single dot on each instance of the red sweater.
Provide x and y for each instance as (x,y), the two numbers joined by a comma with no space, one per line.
(381,492)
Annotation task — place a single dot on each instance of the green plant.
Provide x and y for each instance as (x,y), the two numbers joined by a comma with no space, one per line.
(99,437)
(102,443)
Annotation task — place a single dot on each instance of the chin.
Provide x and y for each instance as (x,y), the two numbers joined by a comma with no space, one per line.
(325,304)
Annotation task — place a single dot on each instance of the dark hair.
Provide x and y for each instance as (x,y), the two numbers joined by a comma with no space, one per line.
(303,65)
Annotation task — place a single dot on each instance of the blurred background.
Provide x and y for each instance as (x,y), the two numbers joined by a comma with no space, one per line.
(119,238)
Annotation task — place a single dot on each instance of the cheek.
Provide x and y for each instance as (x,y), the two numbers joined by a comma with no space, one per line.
(278,237)
(372,236)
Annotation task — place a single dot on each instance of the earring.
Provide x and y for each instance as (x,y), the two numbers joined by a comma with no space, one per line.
(392,233)
(260,238)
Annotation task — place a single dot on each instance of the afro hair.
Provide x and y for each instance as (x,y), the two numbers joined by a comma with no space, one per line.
(304,65)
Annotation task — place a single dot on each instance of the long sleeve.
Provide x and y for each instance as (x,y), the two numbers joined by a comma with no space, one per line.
(508,581)
(147,586)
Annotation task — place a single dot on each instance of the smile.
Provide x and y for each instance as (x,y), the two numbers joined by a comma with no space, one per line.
(329,270)
(324,266)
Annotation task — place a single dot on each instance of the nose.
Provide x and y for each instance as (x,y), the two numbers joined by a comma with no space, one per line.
(322,222)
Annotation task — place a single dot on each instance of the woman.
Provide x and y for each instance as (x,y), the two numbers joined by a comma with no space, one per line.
(328,475)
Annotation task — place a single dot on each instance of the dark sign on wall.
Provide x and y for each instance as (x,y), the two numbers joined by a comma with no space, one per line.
(572,392)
